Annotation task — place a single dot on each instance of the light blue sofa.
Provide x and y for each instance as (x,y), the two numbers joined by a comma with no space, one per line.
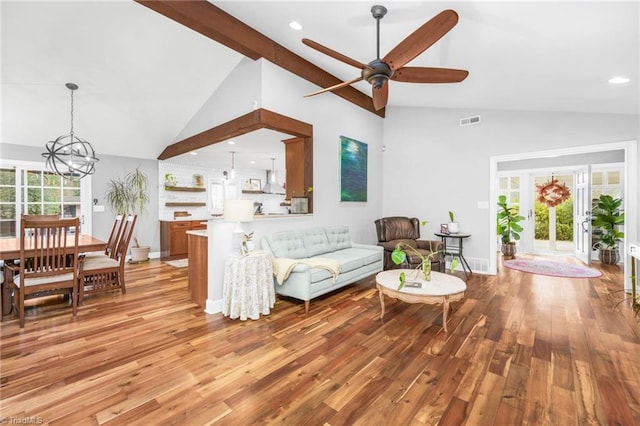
(357,261)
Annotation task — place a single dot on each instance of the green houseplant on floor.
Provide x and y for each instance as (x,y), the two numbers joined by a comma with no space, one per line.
(608,217)
(129,195)
(508,227)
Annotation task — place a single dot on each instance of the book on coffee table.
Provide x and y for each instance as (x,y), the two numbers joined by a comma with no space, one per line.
(413,284)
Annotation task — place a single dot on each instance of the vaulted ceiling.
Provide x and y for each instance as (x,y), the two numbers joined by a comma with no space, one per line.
(142,76)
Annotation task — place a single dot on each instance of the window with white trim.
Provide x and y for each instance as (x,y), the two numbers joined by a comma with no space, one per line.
(30,189)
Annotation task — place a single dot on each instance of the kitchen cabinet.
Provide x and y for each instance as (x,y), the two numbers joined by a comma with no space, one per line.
(198,267)
(294,152)
(174,243)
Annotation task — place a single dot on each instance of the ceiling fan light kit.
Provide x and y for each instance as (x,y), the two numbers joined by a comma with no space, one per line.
(392,67)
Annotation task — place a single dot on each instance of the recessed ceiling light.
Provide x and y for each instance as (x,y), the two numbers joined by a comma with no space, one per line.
(252,162)
(619,80)
(295,25)
(231,143)
(193,153)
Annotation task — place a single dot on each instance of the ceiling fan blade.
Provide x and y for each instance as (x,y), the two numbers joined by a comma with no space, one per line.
(429,75)
(421,39)
(337,86)
(336,55)
(380,96)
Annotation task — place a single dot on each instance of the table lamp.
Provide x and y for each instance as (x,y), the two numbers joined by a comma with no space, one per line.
(238,211)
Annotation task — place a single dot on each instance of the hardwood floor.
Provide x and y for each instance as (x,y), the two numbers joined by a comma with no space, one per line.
(522,349)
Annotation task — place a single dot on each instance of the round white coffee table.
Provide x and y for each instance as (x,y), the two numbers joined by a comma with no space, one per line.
(443,288)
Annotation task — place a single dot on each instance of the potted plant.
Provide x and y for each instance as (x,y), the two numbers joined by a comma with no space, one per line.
(452,226)
(508,227)
(608,217)
(129,195)
(170,180)
(399,256)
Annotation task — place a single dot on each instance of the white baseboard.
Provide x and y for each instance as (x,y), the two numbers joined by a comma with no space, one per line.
(213,306)
(477,265)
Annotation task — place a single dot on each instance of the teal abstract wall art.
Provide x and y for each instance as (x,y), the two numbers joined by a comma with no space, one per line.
(353,170)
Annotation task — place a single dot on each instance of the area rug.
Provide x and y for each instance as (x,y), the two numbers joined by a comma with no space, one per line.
(554,269)
(180,263)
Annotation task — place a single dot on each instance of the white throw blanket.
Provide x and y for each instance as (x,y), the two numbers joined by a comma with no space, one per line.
(283,266)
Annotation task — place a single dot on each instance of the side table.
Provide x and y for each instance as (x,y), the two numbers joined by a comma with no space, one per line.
(248,289)
(455,250)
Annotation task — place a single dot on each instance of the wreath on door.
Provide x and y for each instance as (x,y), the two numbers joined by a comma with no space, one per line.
(552,192)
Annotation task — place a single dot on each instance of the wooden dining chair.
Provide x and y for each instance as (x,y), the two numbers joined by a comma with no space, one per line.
(107,273)
(112,242)
(48,260)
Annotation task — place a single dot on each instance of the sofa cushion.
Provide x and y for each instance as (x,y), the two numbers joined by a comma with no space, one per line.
(319,274)
(315,241)
(288,244)
(368,256)
(338,237)
(349,258)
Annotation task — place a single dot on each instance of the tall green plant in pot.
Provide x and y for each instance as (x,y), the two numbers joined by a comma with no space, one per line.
(129,195)
(508,227)
(608,217)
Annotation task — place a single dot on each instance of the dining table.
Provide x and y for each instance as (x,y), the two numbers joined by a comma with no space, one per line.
(10,250)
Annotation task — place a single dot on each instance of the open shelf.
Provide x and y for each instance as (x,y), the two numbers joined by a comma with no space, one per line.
(184,188)
(185,204)
(248,191)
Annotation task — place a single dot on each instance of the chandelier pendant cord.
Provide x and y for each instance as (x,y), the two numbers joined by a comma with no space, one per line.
(71,132)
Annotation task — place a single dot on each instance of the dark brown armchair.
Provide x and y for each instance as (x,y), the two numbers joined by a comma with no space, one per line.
(397,229)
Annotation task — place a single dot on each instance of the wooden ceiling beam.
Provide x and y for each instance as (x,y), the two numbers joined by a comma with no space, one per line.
(281,123)
(236,127)
(255,120)
(218,25)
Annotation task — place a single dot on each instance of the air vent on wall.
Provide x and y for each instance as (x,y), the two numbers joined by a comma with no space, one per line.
(470,120)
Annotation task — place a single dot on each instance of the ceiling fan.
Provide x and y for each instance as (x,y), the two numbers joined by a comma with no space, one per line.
(379,71)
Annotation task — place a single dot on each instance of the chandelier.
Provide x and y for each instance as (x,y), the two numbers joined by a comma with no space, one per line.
(68,155)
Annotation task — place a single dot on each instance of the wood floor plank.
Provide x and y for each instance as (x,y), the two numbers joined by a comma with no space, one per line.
(487,401)
(588,402)
(476,371)
(563,410)
(521,349)
(538,401)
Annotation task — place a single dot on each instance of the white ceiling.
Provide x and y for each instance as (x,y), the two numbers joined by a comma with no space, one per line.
(143,76)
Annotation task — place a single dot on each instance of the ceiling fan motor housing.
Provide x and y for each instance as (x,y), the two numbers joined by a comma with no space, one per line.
(378,11)
(377,73)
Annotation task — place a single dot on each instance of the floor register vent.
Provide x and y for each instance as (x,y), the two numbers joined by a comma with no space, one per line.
(470,120)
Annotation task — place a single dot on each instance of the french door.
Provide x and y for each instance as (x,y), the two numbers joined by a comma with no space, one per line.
(582,214)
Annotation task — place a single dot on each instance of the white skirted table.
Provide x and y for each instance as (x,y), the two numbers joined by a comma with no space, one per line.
(248,286)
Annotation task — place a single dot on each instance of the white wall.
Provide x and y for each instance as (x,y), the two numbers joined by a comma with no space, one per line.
(233,98)
(432,165)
